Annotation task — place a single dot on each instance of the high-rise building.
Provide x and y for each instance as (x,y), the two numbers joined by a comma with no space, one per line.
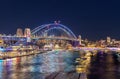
(27,32)
(19,32)
(1,41)
(79,38)
(113,41)
(108,39)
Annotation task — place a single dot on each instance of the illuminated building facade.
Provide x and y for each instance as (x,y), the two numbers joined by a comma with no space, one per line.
(27,32)
(108,40)
(1,42)
(19,32)
(79,38)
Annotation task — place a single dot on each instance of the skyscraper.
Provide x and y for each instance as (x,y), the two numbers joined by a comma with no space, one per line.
(79,38)
(27,32)
(108,40)
(19,32)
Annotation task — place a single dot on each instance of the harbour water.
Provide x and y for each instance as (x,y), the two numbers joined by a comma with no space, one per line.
(104,66)
(41,66)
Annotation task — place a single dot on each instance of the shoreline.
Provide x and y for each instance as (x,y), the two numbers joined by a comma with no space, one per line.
(18,54)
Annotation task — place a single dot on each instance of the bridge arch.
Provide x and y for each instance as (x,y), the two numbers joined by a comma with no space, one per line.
(53,29)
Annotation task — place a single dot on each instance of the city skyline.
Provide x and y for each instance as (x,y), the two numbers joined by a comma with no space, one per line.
(20,32)
(59,39)
(90,19)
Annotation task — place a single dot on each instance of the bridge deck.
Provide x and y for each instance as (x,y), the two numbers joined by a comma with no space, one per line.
(62,75)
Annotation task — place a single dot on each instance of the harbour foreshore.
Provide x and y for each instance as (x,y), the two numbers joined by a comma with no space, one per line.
(13,54)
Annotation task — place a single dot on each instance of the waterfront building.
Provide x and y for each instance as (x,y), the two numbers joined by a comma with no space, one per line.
(108,40)
(79,38)
(19,32)
(27,32)
(1,42)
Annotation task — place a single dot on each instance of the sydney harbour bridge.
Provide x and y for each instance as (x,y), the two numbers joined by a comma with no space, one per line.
(47,33)
(55,33)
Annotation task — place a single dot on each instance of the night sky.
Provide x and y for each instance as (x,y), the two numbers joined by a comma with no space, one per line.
(93,19)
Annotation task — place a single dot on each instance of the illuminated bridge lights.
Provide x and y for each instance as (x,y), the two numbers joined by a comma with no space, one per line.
(56,31)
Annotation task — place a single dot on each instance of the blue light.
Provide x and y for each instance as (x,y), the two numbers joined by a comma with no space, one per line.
(2,49)
(1,60)
(66,29)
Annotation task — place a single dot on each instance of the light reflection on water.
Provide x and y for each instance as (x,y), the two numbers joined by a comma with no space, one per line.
(104,66)
(37,66)
(40,66)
